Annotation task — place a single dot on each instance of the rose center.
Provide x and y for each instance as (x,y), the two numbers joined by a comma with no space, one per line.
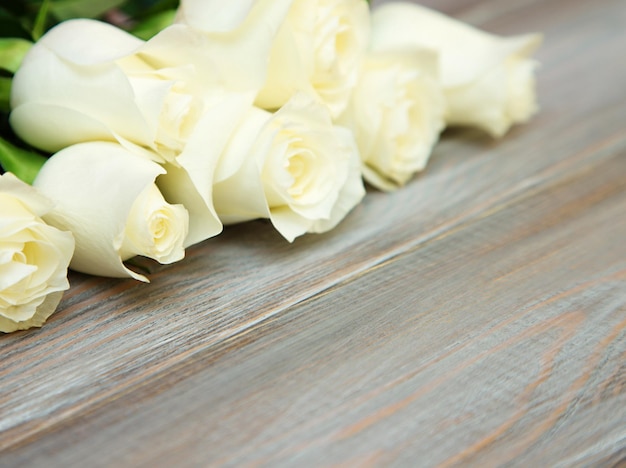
(19,257)
(308,185)
(16,273)
(299,167)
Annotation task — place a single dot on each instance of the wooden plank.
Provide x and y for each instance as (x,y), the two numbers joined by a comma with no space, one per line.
(507,343)
(253,348)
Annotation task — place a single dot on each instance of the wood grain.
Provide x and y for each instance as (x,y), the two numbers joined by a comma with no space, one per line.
(475,317)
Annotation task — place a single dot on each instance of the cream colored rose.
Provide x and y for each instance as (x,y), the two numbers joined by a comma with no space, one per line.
(317,50)
(294,167)
(488,80)
(106,196)
(33,257)
(174,95)
(396,113)
(70,89)
(106,84)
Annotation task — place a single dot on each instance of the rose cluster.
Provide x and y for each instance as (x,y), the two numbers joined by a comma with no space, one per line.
(275,109)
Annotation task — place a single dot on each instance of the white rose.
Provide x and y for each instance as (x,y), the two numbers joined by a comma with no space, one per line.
(106,84)
(33,257)
(70,89)
(488,80)
(87,81)
(317,50)
(106,196)
(188,180)
(396,113)
(294,167)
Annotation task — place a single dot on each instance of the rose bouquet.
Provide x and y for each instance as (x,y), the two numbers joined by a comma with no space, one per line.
(178,118)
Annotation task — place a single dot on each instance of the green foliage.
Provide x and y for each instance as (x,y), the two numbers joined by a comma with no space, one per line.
(143,9)
(150,26)
(23,163)
(12,24)
(39,26)
(5,93)
(12,51)
(66,9)
(29,19)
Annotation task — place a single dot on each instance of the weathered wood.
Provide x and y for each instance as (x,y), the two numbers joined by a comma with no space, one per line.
(476,316)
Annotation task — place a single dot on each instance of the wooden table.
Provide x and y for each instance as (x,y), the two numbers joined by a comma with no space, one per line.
(475,317)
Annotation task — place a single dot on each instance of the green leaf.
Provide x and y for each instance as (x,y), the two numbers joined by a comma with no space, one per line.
(5,94)
(23,163)
(40,21)
(66,9)
(143,9)
(12,52)
(153,25)
(11,25)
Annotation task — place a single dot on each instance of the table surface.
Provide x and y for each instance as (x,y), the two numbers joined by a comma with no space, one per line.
(475,317)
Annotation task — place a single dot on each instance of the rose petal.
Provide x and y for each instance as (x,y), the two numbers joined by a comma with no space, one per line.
(465,52)
(101,181)
(317,51)
(92,96)
(42,312)
(89,42)
(488,80)
(293,166)
(191,183)
(396,113)
(34,258)
(210,15)
(236,41)
(37,203)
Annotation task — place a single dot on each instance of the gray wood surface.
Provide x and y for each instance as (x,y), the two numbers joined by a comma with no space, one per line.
(475,317)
